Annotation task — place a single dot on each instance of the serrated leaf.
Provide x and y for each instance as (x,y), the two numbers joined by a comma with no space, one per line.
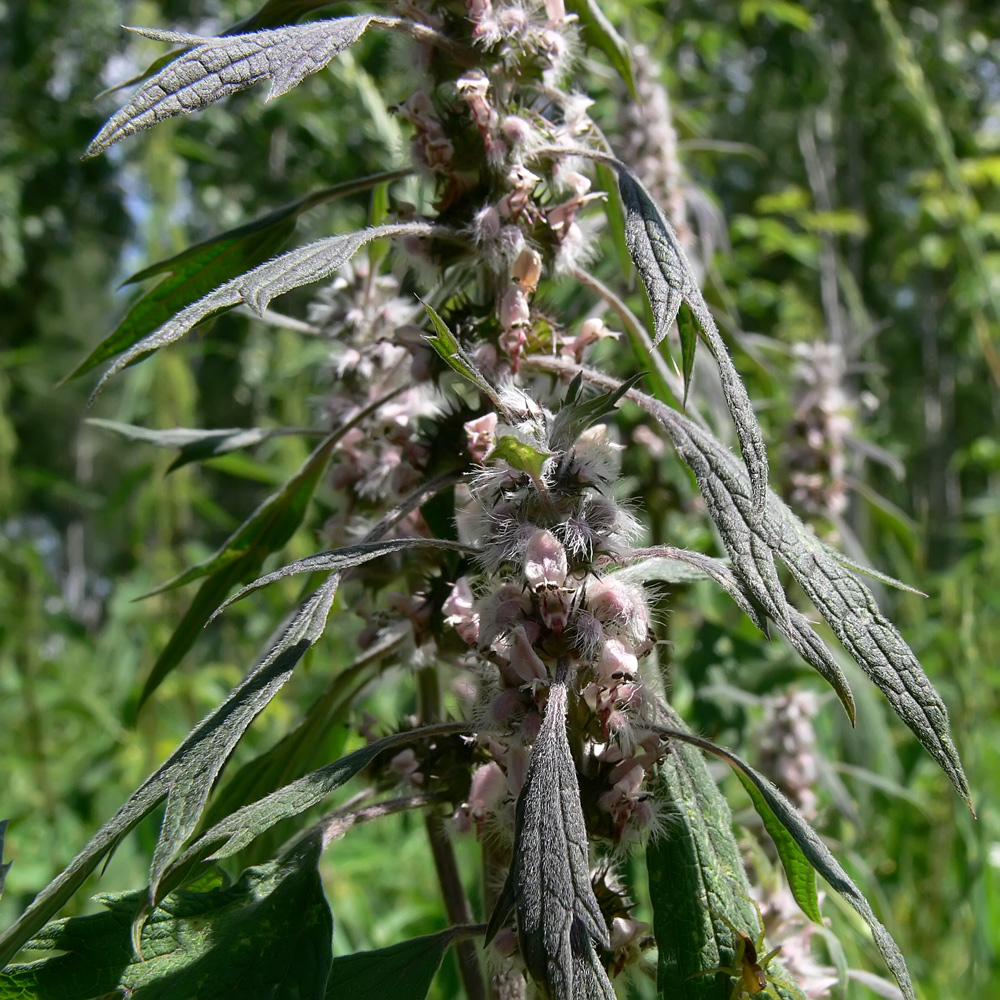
(447,347)
(695,875)
(240,828)
(268,934)
(187,776)
(4,865)
(197,270)
(213,68)
(559,921)
(600,32)
(402,971)
(669,282)
(812,848)
(305,746)
(257,287)
(344,558)
(843,600)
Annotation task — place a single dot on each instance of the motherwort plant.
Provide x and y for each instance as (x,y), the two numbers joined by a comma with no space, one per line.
(480,529)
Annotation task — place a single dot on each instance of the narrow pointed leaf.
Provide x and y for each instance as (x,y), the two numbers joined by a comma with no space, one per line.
(559,920)
(689,341)
(236,831)
(812,849)
(257,287)
(217,942)
(265,531)
(402,971)
(187,776)
(447,347)
(213,68)
(344,558)
(194,272)
(669,282)
(576,415)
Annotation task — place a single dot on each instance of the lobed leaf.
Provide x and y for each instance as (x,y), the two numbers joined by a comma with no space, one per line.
(240,828)
(213,68)
(559,920)
(843,600)
(187,776)
(669,283)
(302,266)
(197,270)
(811,848)
(214,942)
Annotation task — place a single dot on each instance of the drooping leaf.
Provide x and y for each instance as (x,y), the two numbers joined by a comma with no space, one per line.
(268,934)
(187,776)
(680,565)
(236,831)
(196,271)
(600,32)
(812,849)
(344,558)
(844,601)
(213,68)
(669,282)
(402,971)
(559,920)
(302,266)
(696,877)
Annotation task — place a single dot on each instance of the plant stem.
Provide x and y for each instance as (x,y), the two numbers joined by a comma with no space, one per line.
(456,903)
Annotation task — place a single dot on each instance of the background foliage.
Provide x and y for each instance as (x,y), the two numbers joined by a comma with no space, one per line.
(846,199)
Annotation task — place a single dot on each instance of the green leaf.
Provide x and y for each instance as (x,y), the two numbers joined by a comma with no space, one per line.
(577,414)
(344,558)
(799,873)
(812,848)
(402,971)
(305,746)
(199,269)
(689,339)
(695,875)
(447,347)
(241,828)
(269,934)
(187,776)
(520,455)
(197,445)
(669,282)
(599,32)
(257,287)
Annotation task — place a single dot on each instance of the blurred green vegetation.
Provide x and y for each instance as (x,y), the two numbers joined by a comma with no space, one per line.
(802,127)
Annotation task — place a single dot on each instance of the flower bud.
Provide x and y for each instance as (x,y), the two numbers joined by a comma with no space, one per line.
(544,561)
(527,270)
